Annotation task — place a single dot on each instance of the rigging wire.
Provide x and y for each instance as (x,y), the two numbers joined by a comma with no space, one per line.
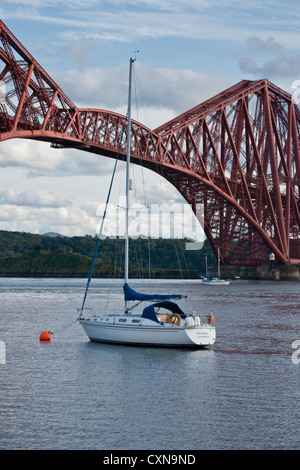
(137,245)
(102,223)
(159,171)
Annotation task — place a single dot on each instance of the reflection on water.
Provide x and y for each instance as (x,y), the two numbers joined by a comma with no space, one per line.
(242,393)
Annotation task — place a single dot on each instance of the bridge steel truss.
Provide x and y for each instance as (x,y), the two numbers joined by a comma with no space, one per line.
(235,157)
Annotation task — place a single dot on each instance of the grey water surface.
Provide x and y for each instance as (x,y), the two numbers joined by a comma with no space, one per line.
(241,393)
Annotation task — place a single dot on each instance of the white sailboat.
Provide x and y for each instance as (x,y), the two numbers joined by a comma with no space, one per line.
(162,323)
(215,280)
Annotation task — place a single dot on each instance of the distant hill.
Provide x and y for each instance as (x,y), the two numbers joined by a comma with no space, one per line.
(30,254)
(53,234)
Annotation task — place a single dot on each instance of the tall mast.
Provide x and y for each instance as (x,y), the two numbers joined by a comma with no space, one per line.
(127,180)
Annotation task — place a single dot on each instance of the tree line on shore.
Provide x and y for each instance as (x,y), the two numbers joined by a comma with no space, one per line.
(23,253)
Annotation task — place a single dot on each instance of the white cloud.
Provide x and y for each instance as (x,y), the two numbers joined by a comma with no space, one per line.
(267,58)
(254,43)
(39,159)
(34,198)
(29,154)
(64,220)
(175,90)
(282,66)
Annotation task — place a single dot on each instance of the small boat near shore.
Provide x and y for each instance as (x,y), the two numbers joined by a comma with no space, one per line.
(215,280)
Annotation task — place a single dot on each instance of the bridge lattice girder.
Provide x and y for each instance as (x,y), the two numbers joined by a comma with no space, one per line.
(236,155)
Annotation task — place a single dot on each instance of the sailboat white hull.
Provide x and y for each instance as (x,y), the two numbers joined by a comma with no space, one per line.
(215,282)
(133,330)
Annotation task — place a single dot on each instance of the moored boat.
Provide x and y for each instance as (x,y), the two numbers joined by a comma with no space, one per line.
(162,322)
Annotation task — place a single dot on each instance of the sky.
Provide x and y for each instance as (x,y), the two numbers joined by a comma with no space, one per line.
(188,51)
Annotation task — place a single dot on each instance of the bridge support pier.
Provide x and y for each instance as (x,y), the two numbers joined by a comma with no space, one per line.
(268,273)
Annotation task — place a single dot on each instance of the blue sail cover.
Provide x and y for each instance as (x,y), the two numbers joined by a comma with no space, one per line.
(149,312)
(131,294)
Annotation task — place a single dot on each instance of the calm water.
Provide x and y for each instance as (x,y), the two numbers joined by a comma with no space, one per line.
(242,393)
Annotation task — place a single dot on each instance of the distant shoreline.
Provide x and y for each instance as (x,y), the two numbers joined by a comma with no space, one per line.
(158,275)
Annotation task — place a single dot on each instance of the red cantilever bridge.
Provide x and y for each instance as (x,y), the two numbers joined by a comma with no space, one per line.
(236,154)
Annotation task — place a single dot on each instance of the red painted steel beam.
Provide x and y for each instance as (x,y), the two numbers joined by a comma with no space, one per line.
(259,157)
(236,154)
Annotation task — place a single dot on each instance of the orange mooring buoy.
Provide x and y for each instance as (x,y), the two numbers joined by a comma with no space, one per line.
(45,336)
